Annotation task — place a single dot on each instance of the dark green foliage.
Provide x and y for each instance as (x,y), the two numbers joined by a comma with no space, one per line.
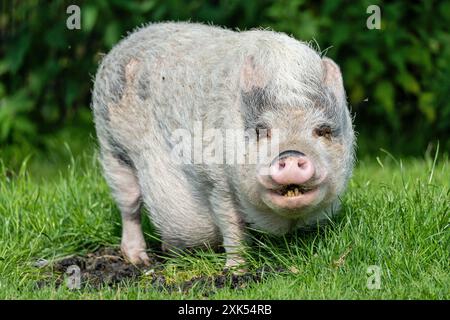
(403,69)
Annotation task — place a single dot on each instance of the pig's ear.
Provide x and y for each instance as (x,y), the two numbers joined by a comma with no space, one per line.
(252,76)
(332,78)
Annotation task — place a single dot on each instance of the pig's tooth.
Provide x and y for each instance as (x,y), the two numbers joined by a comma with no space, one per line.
(296,191)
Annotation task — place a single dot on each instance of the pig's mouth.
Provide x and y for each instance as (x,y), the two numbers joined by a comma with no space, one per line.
(292,197)
(293,190)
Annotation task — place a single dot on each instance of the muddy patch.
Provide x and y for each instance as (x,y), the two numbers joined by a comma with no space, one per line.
(208,285)
(107,267)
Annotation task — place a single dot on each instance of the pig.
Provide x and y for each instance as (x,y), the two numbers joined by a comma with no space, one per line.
(169,76)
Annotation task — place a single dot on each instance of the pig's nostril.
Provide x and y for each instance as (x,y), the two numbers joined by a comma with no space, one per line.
(302,163)
(282,165)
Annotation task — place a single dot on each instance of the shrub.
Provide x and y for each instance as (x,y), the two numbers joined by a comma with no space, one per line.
(397,78)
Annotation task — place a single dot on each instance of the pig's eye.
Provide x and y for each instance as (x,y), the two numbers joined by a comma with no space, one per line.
(262,131)
(323,131)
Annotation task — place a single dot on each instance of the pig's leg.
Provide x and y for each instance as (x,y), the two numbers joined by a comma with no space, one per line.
(232,228)
(126,191)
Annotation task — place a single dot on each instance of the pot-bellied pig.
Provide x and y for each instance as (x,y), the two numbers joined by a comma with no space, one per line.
(188,117)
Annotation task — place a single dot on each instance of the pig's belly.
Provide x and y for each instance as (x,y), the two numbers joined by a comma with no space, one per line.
(182,219)
(183,224)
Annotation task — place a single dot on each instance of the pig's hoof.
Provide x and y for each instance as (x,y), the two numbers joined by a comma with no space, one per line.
(136,256)
(235,265)
(237,271)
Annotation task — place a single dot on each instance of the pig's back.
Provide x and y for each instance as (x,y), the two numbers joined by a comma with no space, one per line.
(174,72)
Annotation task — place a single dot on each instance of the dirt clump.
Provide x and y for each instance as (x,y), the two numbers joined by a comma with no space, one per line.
(108,267)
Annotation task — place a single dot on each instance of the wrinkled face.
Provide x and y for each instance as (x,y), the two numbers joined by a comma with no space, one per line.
(309,149)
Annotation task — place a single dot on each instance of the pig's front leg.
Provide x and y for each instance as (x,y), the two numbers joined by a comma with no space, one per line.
(232,228)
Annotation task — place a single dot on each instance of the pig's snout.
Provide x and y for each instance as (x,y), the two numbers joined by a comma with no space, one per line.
(291,167)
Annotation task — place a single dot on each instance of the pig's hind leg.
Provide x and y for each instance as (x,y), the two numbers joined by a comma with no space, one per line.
(123,182)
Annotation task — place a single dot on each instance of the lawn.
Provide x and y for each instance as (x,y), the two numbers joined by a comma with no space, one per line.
(395,218)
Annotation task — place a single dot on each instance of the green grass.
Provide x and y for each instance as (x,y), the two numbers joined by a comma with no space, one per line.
(395,215)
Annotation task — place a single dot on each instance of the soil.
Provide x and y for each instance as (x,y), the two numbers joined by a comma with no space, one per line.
(107,267)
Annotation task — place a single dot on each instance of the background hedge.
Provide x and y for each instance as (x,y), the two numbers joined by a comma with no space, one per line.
(397,78)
